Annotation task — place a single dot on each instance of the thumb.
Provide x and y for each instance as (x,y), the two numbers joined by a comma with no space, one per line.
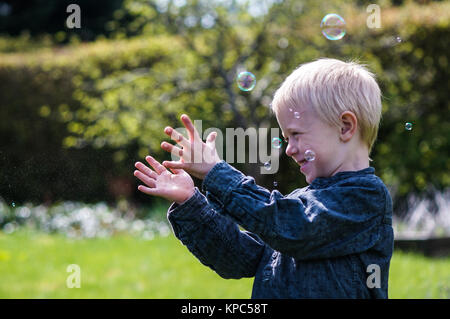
(211,139)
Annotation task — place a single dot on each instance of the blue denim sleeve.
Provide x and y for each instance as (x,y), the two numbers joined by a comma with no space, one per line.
(320,223)
(214,238)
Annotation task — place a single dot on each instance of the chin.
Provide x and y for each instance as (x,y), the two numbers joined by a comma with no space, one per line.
(309,179)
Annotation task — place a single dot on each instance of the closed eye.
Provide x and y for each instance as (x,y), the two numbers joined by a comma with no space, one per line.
(286,140)
(296,134)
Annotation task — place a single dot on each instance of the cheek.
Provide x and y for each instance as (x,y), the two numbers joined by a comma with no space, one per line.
(326,146)
(321,155)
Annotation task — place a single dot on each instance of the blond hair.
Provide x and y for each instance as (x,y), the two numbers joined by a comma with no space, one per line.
(331,87)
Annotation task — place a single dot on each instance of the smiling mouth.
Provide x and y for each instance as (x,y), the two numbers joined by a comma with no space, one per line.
(302,162)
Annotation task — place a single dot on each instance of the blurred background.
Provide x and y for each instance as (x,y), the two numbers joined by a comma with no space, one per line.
(79,106)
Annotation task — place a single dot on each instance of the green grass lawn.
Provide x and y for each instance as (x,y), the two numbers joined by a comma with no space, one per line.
(33,265)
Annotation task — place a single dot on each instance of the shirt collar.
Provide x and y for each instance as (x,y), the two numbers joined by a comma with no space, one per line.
(321,182)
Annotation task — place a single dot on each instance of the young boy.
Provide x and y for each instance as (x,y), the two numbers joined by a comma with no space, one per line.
(331,239)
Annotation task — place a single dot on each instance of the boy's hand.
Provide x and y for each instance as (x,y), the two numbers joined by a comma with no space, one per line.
(196,157)
(176,187)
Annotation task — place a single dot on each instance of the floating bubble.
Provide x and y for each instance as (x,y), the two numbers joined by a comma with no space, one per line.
(267,166)
(296,115)
(333,26)
(275,184)
(283,43)
(408,126)
(277,142)
(391,41)
(310,155)
(9,228)
(13,204)
(246,81)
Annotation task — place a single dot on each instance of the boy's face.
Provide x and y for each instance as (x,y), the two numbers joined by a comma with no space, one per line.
(308,132)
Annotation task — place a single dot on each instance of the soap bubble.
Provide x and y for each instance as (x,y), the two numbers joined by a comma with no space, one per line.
(333,26)
(391,41)
(267,166)
(275,184)
(296,115)
(310,155)
(408,126)
(277,142)
(246,81)
(283,43)
(9,228)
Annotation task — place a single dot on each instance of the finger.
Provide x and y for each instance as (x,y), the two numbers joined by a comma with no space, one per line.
(146,170)
(211,139)
(147,190)
(174,165)
(145,179)
(174,150)
(155,164)
(176,171)
(176,136)
(210,152)
(193,133)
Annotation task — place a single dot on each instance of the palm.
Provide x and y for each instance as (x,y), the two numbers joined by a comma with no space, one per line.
(177,186)
(169,184)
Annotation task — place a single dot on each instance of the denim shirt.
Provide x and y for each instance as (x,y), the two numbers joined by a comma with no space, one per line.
(320,241)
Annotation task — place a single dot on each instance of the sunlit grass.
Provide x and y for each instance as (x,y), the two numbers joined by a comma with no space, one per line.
(415,276)
(33,265)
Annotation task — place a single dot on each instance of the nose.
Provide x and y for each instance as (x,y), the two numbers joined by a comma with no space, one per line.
(290,150)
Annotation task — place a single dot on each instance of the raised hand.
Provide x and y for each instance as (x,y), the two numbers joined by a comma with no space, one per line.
(196,157)
(176,186)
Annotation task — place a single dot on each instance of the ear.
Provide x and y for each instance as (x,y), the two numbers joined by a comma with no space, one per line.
(349,124)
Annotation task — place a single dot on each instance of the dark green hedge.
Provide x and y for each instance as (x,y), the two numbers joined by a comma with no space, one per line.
(37,95)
